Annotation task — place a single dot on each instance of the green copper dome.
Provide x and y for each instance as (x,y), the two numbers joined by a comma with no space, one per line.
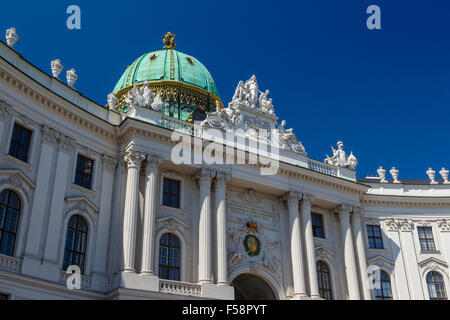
(168,65)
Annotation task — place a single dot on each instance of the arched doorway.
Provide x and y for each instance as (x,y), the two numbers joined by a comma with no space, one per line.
(250,287)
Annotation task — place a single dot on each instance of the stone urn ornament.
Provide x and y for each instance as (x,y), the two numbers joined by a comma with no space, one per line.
(11,37)
(444,174)
(382,174)
(432,175)
(394,173)
(71,77)
(57,67)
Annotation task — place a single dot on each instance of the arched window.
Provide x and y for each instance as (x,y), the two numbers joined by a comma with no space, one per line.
(76,241)
(324,280)
(169,257)
(385,292)
(436,286)
(9,221)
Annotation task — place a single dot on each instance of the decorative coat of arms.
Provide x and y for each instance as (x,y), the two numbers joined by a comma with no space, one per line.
(251,242)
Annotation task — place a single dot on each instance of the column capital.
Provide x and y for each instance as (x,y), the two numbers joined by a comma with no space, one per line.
(344,211)
(292,198)
(134,158)
(307,198)
(66,144)
(4,110)
(109,163)
(153,162)
(222,179)
(205,176)
(49,135)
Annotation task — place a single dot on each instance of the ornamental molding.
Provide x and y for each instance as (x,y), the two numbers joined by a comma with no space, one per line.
(331,183)
(66,144)
(18,180)
(407,203)
(171,224)
(433,264)
(57,108)
(395,224)
(109,163)
(82,204)
(323,252)
(443,225)
(49,136)
(5,110)
(383,263)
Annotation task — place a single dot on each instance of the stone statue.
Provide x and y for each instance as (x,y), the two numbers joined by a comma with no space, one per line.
(57,67)
(71,77)
(252,94)
(147,94)
(288,140)
(11,37)
(112,100)
(240,94)
(158,104)
(229,118)
(144,97)
(340,159)
(265,103)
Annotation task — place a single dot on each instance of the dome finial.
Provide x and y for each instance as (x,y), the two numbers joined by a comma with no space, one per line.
(169,42)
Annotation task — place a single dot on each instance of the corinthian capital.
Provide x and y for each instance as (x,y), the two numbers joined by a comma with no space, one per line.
(134,158)
(49,135)
(307,199)
(344,211)
(109,163)
(222,179)
(205,176)
(4,110)
(66,144)
(292,198)
(153,162)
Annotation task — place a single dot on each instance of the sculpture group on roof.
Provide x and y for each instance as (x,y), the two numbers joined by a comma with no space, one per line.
(248,94)
(139,96)
(340,158)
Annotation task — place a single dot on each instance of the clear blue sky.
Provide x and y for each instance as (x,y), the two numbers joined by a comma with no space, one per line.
(385,93)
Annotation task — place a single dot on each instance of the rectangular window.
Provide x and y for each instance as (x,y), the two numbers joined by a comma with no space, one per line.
(171,193)
(374,237)
(317,225)
(426,239)
(20,143)
(83,174)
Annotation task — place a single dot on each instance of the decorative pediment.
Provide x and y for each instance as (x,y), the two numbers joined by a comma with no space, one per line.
(323,252)
(384,263)
(172,224)
(17,179)
(82,204)
(433,264)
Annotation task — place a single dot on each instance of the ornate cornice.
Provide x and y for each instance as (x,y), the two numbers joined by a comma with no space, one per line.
(405,202)
(55,108)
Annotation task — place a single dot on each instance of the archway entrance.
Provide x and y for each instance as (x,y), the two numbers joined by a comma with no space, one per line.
(251,287)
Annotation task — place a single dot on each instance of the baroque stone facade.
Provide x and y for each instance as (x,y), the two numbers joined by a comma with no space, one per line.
(312,230)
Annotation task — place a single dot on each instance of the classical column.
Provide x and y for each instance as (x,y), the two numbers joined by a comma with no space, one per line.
(292,199)
(49,139)
(133,159)
(349,252)
(101,245)
(204,229)
(309,242)
(150,202)
(4,118)
(66,146)
(220,188)
(361,252)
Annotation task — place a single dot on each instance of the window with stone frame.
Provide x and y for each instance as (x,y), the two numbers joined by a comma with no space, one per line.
(426,239)
(374,237)
(317,225)
(84,172)
(19,147)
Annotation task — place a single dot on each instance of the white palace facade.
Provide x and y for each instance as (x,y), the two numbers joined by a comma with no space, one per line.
(98,187)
